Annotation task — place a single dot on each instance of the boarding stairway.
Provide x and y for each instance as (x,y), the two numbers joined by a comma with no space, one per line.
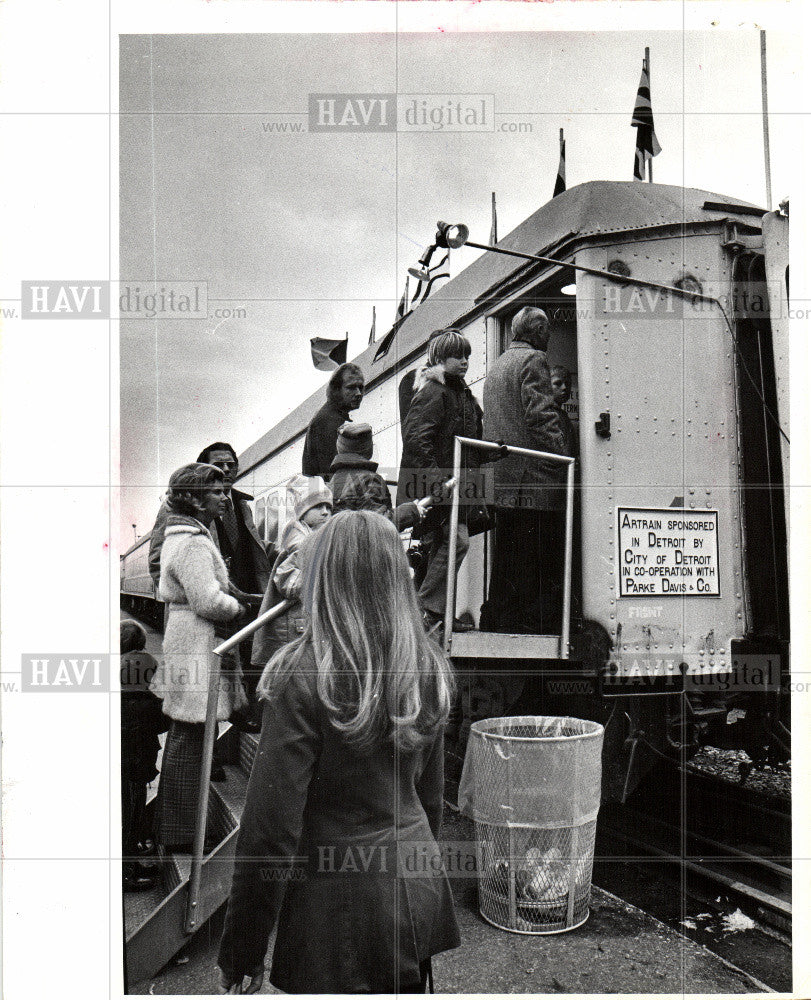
(159,922)
(155,921)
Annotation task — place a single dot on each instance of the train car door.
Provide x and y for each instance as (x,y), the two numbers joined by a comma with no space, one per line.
(761,436)
(556,298)
(662,568)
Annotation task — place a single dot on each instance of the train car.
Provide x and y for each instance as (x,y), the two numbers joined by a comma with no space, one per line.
(138,591)
(675,329)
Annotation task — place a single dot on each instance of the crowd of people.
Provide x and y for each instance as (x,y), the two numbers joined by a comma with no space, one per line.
(354,691)
(524,406)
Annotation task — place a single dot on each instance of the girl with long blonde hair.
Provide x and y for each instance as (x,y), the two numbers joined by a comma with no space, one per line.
(347,781)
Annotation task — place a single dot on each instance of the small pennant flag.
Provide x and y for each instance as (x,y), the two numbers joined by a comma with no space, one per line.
(436,272)
(402,311)
(328,354)
(372,332)
(493,222)
(560,180)
(647,145)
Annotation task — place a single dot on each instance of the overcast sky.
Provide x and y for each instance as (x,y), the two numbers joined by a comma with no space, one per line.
(307,231)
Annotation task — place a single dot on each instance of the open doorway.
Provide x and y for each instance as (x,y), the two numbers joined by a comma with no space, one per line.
(526,550)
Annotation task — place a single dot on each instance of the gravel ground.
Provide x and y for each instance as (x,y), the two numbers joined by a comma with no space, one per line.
(724,764)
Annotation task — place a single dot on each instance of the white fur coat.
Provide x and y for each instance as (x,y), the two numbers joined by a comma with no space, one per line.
(194,582)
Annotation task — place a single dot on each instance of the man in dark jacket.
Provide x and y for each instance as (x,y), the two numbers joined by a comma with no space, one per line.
(344,394)
(520,409)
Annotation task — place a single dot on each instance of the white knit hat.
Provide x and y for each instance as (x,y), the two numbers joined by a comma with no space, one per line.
(321,494)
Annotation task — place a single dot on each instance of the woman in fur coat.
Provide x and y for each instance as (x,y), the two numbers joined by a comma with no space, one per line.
(194,585)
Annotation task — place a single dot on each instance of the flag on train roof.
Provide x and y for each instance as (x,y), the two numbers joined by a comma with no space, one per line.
(373,331)
(424,285)
(402,308)
(493,222)
(560,180)
(328,354)
(647,145)
(402,311)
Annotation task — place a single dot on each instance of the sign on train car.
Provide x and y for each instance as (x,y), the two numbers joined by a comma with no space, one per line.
(667,553)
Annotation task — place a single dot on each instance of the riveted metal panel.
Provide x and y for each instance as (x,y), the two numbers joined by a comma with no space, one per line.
(776,248)
(664,370)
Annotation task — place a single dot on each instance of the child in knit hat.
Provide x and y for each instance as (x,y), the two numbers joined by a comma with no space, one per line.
(312,509)
(357,485)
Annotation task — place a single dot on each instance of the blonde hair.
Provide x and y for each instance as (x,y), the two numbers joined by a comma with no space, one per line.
(379,676)
(447,344)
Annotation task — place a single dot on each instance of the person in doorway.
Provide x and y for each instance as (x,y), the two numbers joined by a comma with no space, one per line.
(561,382)
(350,765)
(520,409)
(442,408)
(344,394)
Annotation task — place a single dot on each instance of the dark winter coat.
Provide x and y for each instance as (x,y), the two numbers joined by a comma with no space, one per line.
(350,916)
(142,718)
(357,485)
(252,550)
(520,410)
(441,409)
(321,442)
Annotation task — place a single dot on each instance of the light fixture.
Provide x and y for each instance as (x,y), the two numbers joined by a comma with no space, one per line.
(569,289)
(451,235)
(420,272)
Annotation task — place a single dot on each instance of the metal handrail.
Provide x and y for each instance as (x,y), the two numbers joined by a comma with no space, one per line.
(209,735)
(450,591)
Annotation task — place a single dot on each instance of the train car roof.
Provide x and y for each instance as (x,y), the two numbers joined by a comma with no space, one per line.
(136,544)
(587,210)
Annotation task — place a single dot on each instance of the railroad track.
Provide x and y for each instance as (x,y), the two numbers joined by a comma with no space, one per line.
(724,838)
(758,882)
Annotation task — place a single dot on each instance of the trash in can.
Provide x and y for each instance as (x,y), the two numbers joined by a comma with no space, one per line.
(531,784)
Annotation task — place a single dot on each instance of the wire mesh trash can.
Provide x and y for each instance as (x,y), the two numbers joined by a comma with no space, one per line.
(531,784)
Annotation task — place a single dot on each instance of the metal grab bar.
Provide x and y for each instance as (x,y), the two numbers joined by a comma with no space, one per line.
(450,590)
(252,627)
(209,735)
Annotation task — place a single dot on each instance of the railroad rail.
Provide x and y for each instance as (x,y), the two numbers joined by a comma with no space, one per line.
(733,839)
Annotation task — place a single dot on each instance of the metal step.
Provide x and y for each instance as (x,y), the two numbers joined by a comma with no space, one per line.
(248,744)
(154,921)
(504,645)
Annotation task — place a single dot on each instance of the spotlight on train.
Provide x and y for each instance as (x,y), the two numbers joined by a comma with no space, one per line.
(421,270)
(569,289)
(451,235)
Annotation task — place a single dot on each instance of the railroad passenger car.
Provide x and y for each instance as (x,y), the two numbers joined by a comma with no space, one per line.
(138,591)
(677,339)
